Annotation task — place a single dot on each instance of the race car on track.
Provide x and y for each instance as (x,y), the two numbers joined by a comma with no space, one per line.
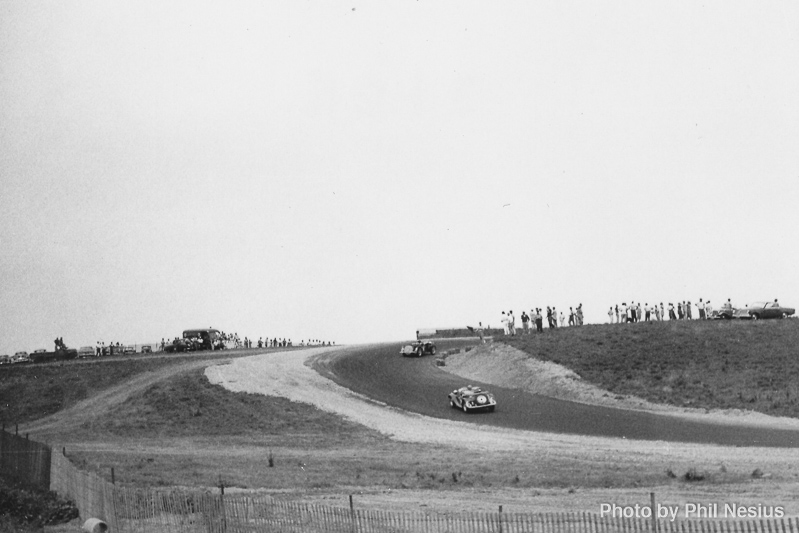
(418,349)
(471,399)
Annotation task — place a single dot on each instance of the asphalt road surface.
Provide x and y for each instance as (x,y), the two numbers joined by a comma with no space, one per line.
(417,385)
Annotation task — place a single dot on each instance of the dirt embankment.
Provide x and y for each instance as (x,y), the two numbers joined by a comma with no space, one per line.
(502,365)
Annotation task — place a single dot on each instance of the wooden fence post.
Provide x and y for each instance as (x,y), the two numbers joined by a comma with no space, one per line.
(654,512)
(353,521)
(222,504)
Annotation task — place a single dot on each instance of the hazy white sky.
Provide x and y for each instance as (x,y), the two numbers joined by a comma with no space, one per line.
(353,171)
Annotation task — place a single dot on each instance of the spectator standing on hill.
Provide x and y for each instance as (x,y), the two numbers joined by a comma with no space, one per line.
(512,323)
(579,313)
(672,316)
(561,318)
(679,311)
(610,315)
(662,312)
(539,320)
(634,312)
(616,311)
(505,324)
(623,312)
(647,311)
(688,314)
(701,307)
(525,323)
(708,308)
(571,316)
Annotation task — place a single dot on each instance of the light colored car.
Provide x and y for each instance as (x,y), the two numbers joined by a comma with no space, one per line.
(86,351)
(472,399)
(758,310)
(5,359)
(20,357)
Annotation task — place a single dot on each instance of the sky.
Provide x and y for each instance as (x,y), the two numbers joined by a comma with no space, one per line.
(355,171)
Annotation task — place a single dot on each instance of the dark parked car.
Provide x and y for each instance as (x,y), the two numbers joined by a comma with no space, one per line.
(418,349)
(758,310)
(146,349)
(86,351)
(178,345)
(472,399)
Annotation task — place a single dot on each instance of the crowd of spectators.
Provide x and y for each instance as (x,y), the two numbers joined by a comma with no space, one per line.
(684,310)
(535,320)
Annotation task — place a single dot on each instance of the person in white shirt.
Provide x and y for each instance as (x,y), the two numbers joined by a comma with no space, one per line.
(701,307)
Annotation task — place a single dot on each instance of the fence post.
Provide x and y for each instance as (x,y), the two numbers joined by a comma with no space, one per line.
(500,519)
(222,503)
(654,514)
(354,525)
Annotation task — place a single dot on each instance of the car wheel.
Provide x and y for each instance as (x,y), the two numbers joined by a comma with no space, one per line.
(433,349)
(755,316)
(785,315)
(452,404)
(465,409)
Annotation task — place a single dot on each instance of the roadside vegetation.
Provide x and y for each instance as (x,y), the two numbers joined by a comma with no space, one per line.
(27,509)
(32,391)
(714,364)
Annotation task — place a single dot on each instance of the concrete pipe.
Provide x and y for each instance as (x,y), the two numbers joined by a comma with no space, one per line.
(95,525)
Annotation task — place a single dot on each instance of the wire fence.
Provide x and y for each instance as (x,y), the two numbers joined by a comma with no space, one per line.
(136,510)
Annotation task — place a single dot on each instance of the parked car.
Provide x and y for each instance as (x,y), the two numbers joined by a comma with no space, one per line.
(40,350)
(758,310)
(725,313)
(20,357)
(86,351)
(472,399)
(418,349)
(178,345)
(146,349)
(5,359)
(129,349)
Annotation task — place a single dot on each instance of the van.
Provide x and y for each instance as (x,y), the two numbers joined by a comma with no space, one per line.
(208,337)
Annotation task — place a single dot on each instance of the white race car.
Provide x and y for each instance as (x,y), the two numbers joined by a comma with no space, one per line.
(471,399)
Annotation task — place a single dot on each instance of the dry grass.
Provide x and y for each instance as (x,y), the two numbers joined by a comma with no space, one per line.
(709,364)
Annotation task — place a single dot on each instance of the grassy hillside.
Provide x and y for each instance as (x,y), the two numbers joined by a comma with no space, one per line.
(30,392)
(712,364)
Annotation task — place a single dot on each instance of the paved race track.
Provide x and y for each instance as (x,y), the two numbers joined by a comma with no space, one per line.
(416,384)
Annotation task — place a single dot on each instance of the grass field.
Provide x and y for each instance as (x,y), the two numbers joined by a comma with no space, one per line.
(187,432)
(723,364)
